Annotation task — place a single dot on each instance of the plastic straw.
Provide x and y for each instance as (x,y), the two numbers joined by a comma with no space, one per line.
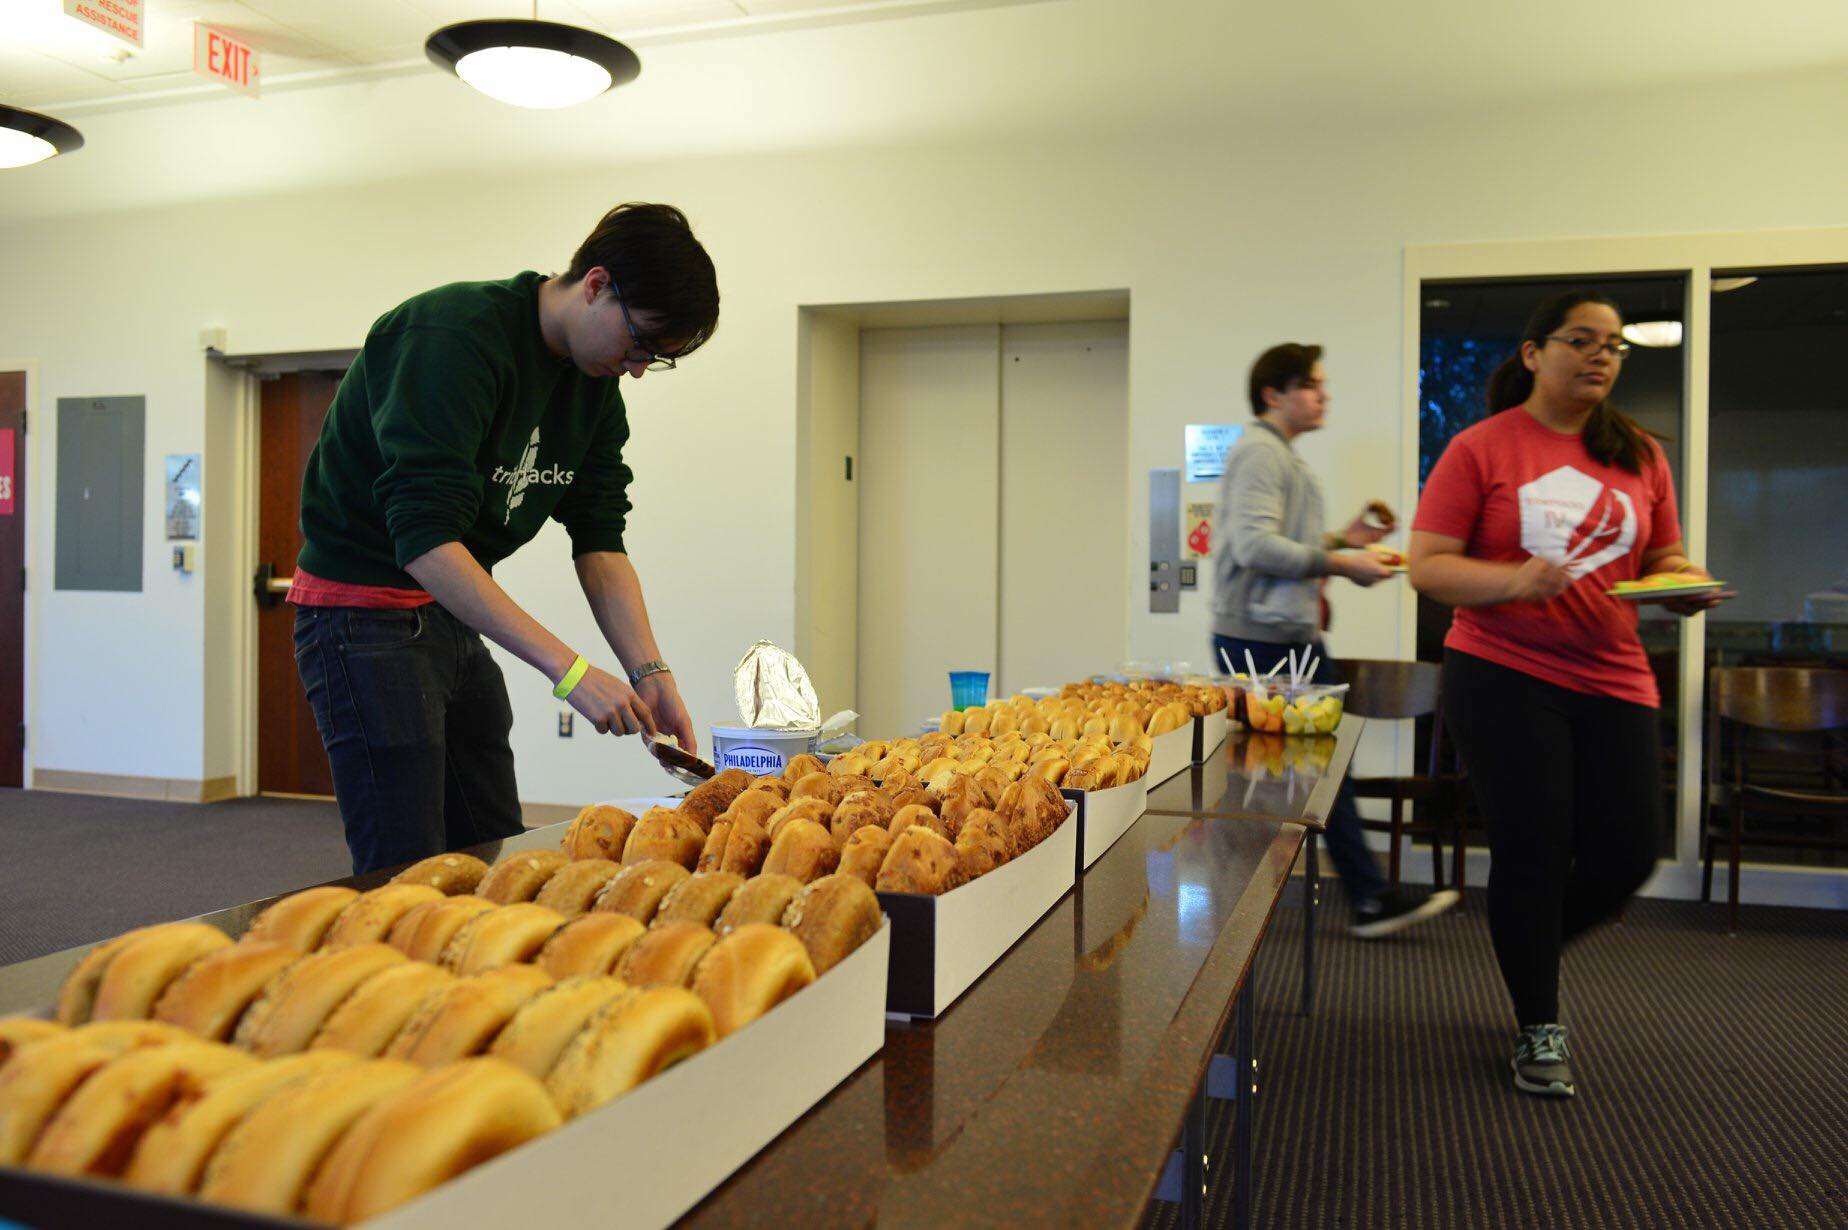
(1227,659)
(1310,664)
(1252,667)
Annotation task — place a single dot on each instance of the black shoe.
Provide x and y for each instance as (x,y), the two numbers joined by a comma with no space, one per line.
(1542,1062)
(1395,911)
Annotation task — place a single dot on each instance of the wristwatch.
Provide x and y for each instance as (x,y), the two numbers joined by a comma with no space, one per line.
(654,667)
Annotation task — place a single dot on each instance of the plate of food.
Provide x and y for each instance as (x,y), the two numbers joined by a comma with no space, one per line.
(1661,586)
(1392,557)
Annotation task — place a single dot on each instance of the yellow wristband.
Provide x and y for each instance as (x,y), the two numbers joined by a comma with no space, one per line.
(571,678)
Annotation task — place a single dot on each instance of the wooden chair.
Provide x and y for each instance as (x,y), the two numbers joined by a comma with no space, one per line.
(1762,700)
(1400,691)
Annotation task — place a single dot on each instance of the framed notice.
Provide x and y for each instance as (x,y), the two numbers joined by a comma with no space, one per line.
(1206,449)
(182,496)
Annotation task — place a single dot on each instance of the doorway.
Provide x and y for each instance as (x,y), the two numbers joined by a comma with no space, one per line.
(291,409)
(12,578)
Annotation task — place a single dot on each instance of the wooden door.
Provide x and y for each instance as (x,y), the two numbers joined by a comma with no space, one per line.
(290,758)
(12,578)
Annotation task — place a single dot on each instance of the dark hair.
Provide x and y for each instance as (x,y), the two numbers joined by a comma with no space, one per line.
(1281,368)
(649,251)
(1610,436)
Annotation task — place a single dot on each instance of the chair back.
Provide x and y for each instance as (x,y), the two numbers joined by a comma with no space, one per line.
(1781,698)
(1390,690)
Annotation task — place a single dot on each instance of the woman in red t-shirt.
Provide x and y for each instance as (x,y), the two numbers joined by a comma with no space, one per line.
(1527,519)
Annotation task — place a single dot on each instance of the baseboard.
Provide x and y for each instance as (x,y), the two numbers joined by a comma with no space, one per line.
(538,815)
(122,786)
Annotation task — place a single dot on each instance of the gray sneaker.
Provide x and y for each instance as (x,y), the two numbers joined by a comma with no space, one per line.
(1541,1061)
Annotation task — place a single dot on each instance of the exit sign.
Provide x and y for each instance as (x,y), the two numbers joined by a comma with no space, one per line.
(224,58)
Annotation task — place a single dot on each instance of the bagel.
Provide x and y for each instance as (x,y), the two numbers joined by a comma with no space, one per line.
(709,800)
(920,861)
(432,932)
(41,1075)
(750,971)
(637,890)
(369,919)
(712,854)
(173,1152)
(147,964)
(426,1133)
(98,1126)
(264,1164)
(630,1039)
(745,847)
(574,888)
(539,1032)
(368,1019)
(830,918)
(758,805)
(663,833)
(762,900)
(296,1003)
(864,852)
(809,807)
(301,919)
(23,1031)
(803,850)
(210,997)
(77,997)
(698,898)
(450,874)
(598,831)
(589,944)
(510,934)
(519,877)
(463,1018)
(666,955)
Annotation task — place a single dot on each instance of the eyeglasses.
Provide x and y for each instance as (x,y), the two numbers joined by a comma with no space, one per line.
(654,362)
(1588,345)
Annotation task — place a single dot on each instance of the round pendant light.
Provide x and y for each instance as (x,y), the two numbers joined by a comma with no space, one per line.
(538,64)
(27,137)
(1653,333)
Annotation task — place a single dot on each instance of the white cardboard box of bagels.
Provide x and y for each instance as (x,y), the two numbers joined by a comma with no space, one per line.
(1209,733)
(1170,754)
(664,1145)
(1105,815)
(942,944)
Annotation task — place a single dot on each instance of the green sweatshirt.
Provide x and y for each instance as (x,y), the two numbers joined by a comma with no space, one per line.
(456,424)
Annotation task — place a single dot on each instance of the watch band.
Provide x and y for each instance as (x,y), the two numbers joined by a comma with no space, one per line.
(654,667)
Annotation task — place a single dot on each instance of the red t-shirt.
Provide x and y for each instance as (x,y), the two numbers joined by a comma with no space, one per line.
(1510,487)
(309,590)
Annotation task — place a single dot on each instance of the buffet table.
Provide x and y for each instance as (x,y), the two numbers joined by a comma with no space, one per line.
(1057,1088)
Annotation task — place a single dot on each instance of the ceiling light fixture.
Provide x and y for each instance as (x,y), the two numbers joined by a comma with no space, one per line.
(27,137)
(1660,334)
(1722,285)
(539,64)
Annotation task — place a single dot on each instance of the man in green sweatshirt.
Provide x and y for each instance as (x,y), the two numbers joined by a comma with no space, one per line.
(473,413)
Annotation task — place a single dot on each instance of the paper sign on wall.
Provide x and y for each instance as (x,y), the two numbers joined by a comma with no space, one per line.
(120,18)
(8,472)
(1206,449)
(1199,526)
(223,57)
(182,496)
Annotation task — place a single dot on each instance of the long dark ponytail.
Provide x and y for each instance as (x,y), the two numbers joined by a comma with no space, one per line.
(1610,436)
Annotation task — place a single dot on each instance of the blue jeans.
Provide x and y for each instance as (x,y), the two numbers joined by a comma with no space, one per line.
(414,715)
(1347,842)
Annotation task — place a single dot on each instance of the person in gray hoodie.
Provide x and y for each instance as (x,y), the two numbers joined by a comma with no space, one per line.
(1270,555)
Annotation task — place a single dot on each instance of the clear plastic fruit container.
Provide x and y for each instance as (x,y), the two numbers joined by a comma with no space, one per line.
(1294,709)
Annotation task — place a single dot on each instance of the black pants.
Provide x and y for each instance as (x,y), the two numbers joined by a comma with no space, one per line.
(1570,787)
(414,715)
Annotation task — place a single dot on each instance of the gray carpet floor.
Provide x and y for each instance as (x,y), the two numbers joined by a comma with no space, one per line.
(1713,1088)
(75,868)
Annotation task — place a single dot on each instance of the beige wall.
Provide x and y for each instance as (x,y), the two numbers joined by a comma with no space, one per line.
(1227,239)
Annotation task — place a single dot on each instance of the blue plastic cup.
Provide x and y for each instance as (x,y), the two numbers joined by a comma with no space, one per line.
(968,689)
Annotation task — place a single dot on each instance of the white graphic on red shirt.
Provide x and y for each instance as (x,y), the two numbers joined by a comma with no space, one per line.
(1575,521)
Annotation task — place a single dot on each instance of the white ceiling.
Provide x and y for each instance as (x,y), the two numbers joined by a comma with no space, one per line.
(50,61)
(363,106)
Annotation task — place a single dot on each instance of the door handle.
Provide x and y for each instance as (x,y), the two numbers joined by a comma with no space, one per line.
(268,587)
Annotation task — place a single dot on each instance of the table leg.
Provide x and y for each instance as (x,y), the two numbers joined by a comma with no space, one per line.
(1243,1045)
(1312,888)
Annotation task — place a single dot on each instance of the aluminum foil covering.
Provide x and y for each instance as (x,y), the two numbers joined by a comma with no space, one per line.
(774,692)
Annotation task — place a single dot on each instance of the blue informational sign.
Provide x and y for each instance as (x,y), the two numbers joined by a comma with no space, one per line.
(1206,449)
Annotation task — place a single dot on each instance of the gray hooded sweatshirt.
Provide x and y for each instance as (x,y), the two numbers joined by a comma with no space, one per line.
(1267,542)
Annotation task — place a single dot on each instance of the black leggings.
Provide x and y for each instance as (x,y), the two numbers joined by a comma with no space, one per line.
(1570,787)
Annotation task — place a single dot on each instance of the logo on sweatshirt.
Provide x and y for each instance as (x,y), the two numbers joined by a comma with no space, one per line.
(1575,521)
(525,474)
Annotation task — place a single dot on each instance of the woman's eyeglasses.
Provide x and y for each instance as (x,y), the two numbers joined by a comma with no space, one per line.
(1591,345)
